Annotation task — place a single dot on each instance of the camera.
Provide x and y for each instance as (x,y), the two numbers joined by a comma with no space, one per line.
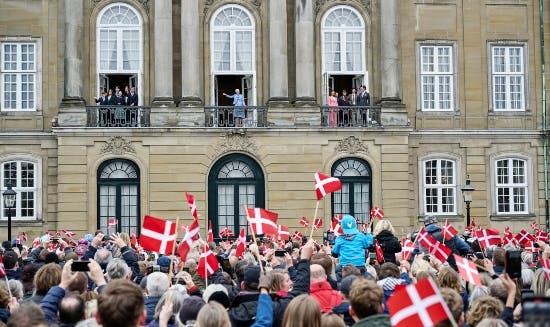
(280,253)
(372,258)
(536,310)
(80,265)
(180,281)
(152,269)
(328,237)
(512,264)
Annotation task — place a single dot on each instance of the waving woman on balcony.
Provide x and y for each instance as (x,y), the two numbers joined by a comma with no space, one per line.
(332,101)
(238,103)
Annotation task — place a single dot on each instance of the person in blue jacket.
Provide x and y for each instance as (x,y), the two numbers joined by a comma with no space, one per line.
(350,247)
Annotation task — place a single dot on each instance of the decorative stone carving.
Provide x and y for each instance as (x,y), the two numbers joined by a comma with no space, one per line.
(144,3)
(235,140)
(208,4)
(118,145)
(366,4)
(351,145)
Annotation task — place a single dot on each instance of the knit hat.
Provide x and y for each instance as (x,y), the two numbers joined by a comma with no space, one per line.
(252,275)
(428,220)
(345,285)
(190,308)
(349,225)
(163,261)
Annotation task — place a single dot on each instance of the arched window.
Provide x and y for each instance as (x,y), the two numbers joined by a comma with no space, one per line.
(356,196)
(119,47)
(232,49)
(118,196)
(235,181)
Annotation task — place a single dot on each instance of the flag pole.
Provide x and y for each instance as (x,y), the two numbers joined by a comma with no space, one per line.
(313,220)
(171,272)
(205,267)
(253,238)
(415,240)
(7,284)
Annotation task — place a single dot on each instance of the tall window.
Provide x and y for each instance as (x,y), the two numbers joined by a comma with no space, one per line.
(22,175)
(439,186)
(343,40)
(508,77)
(235,181)
(119,39)
(233,40)
(511,186)
(355,196)
(118,196)
(19,75)
(437,77)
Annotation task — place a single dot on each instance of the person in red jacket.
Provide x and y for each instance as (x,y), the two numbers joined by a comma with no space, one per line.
(321,290)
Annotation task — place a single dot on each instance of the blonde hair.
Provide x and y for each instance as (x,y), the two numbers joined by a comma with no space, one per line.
(302,311)
(213,314)
(330,319)
(278,277)
(540,283)
(447,277)
(383,224)
(484,307)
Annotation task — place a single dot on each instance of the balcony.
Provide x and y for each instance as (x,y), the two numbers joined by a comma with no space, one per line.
(118,116)
(351,116)
(222,116)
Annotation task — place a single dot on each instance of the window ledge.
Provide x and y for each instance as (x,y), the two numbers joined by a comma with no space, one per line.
(22,223)
(441,218)
(521,217)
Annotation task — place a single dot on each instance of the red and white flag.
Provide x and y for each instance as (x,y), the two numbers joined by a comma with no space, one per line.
(226,233)
(241,243)
(297,236)
(192,205)
(133,238)
(2,269)
(336,228)
(262,221)
(425,239)
(68,233)
(379,252)
(545,264)
(36,243)
(317,223)
(418,304)
(449,231)
(377,213)
(534,225)
(187,241)
(158,235)
(407,248)
(112,223)
(338,218)
(440,251)
(487,237)
(541,235)
(523,236)
(208,263)
(530,247)
(468,270)
(508,237)
(284,234)
(210,235)
(325,184)
(304,222)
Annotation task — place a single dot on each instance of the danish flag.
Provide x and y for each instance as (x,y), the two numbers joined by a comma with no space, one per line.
(545,264)
(208,263)
(226,233)
(112,223)
(449,231)
(530,247)
(468,270)
(284,234)
(304,222)
(440,251)
(192,205)
(426,239)
(487,237)
(262,221)
(68,233)
(523,237)
(508,237)
(210,235)
(541,235)
(158,235)
(36,243)
(379,252)
(336,228)
(534,225)
(317,223)
(241,243)
(325,184)
(376,212)
(187,241)
(407,248)
(338,218)
(297,236)
(418,304)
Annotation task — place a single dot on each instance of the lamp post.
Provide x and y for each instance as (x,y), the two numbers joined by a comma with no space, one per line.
(9,203)
(467,191)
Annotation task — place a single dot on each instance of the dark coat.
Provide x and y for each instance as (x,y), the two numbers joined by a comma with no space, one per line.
(132,99)
(390,245)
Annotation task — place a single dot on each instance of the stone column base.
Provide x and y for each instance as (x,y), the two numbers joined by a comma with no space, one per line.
(306,102)
(72,112)
(291,116)
(393,113)
(190,101)
(177,116)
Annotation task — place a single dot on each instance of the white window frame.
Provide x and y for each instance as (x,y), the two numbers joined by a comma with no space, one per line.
(36,190)
(510,185)
(19,71)
(438,185)
(437,74)
(508,74)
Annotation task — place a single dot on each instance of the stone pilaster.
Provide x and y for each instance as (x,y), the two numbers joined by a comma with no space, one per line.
(164,79)
(191,80)
(391,82)
(305,53)
(278,61)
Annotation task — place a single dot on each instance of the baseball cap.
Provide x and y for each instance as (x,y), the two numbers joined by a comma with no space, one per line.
(349,225)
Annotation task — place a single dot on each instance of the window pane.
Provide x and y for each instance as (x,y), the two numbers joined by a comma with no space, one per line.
(427,59)
(130,50)
(444,59)
(222,51)
(332,53)
(428,92)
(243,50)
(511,183)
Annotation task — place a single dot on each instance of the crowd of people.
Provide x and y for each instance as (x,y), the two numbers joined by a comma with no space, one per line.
(291,284)
(117,97)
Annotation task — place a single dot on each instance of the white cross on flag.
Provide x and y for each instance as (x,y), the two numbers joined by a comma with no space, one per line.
(304,222)
(376,212)
(192,205)
(407,247)
(545,264)
(449,231)
(523,237)
(157,235)
(418,304)
(284,234)
(426,239)
(468,270)
(208,263)
(440,251)
(336,228)
(68,233)
(487,237)
(297,236)
(191,235)
(241,243)
(534,225)
(530,247)
(540,235)
(262,221)
(226,233)
(317,223)
(325,184)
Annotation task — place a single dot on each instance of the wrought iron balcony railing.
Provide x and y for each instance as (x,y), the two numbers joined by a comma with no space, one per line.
(118,116)
(350,116)
(223,116)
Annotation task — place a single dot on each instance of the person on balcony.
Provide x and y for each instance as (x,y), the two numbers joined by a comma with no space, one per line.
(238,110)
(132,99)
(343,113)
(119,98)
(103,100)
(332,102)
(111,99)
(363,102)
